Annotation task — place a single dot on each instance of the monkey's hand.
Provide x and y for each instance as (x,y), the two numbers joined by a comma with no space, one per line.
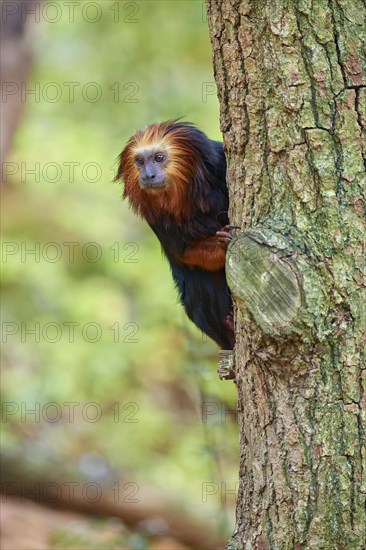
(225,234)
(209,253)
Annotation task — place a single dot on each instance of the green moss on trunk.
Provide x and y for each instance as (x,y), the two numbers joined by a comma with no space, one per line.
(291,80)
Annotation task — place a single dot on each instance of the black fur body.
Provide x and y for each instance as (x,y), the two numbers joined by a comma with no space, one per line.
(190,234)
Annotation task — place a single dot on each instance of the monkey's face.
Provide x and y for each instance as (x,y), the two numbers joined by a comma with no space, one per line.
(151,164)
(158,166)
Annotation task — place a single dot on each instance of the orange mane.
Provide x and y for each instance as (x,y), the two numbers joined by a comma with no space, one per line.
(184,168)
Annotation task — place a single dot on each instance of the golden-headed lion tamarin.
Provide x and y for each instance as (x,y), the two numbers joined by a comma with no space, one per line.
(175,178)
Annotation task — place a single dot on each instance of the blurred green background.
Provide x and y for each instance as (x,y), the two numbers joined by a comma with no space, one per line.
(148,370)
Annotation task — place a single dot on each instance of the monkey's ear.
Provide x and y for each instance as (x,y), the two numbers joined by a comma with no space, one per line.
(119,174)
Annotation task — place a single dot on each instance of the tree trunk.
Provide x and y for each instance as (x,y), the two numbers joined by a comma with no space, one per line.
(292,87)
(18,35)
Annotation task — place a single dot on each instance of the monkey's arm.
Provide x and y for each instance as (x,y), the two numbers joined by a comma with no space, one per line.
(208,254)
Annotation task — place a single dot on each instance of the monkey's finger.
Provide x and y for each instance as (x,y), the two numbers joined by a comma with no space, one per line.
(224,235)
(224,240)
(228,228)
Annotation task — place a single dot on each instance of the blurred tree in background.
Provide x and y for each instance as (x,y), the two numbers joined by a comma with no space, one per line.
(88,278)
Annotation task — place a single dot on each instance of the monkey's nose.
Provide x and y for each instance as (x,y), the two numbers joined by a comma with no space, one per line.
(148,177)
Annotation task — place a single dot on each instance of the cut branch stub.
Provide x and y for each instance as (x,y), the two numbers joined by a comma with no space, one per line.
(262,273)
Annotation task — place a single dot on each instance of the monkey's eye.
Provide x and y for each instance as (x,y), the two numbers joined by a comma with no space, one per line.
(159,157)
(139,161)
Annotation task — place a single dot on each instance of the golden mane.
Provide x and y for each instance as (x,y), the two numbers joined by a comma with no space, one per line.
(184,165)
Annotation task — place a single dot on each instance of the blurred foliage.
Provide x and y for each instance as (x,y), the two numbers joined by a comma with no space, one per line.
(150,62)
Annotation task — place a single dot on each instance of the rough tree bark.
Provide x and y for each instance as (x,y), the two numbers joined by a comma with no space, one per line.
(291,78)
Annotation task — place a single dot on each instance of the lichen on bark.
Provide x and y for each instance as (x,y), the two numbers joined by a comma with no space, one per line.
(291,78)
